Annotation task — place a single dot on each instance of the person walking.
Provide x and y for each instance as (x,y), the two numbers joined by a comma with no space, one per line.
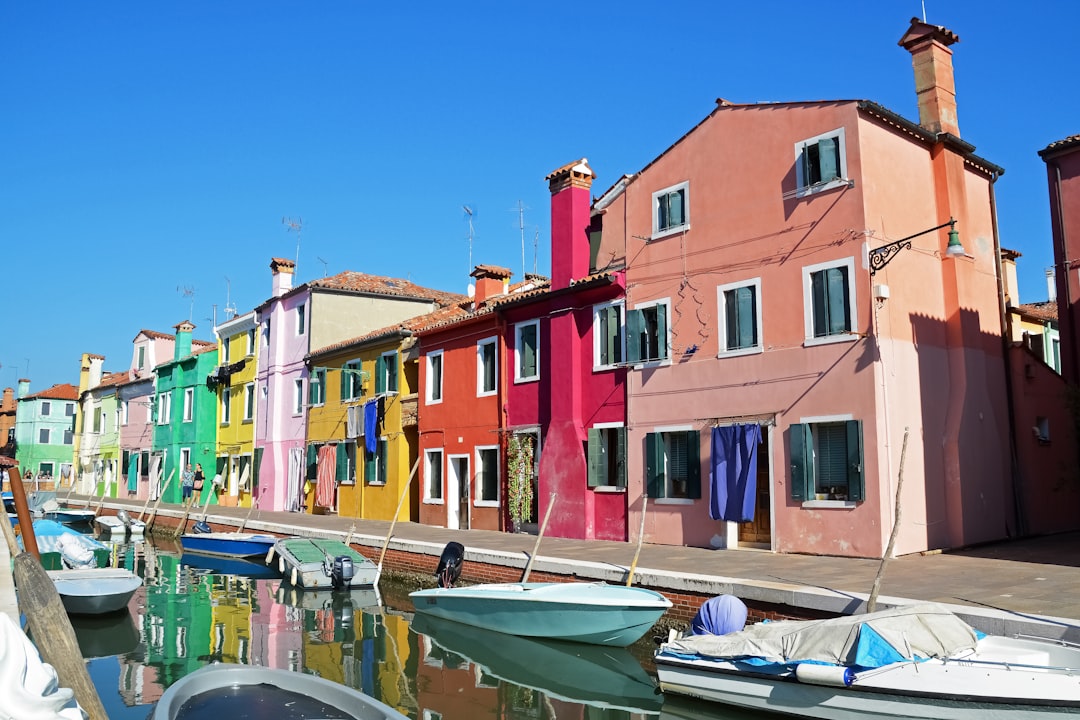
(187,483)
(199,480)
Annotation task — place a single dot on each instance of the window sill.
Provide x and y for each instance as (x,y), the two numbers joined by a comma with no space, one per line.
(830,339)
(808,191)
(829,504)
(247,421)
(486,503)
(429,401)
(645,364)
(739,352)
(523,380)
(486,394)
(673,501)
(434,501)
(606,368)
(609,489)
(668,232)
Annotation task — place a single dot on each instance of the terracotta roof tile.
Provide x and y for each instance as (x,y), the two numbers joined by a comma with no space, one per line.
(1042,311)
(1062,144)
(491,271)
(155,334)
(65,391)
(110,379)
(410,325)
(381,285)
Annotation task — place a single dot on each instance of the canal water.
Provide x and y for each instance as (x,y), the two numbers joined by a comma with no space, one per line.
(193,611)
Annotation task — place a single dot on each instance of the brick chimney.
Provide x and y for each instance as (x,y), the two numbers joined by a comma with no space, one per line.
(9,403)
(283,275)
(569,186)
(183,340)
(491,281)
(931,59)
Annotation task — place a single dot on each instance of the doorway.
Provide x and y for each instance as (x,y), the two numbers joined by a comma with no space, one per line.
(758,532)
(457,492)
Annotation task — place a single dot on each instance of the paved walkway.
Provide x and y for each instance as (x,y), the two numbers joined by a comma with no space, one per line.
(1029,586)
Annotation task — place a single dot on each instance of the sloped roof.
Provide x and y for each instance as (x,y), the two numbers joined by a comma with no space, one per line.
(359,282)
(531,286)
(405,327)
(1040,311)
(1063,144)
(65,391)
(116,378)
(155,335)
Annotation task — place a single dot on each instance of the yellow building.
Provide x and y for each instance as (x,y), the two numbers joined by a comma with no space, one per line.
(234,380)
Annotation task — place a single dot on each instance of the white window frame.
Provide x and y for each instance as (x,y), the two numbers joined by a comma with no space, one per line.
(249,402)
(518,376)
(477,484)
(430,378)
(301,319)
(827,420)
(125,410)
(390,370)
(250,342)
(493,342)
(666,302)
(721,305)
(608,488)
(165,408)
(429,454)
(668,488)
(657,231)
(800,171)
(226,406)
(226,352)
(298,396)
(189,404)
(808,303)
(598,363)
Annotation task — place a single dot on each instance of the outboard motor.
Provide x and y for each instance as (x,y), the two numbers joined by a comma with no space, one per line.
(450,563)
(342,574)
(122,516)
(201,528)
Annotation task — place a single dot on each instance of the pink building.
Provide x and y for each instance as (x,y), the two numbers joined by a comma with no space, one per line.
(813,304)
(1062,160)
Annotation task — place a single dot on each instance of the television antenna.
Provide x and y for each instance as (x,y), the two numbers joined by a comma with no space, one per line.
(521,227)
(536,246)
(469,213)
(230,309)
(188,292)
(294,226)
(323,265)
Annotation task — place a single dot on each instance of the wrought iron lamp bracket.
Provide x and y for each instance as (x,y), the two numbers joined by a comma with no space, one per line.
(881,256)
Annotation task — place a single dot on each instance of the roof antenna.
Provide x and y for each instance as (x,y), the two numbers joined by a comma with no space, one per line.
(230,309)
(924,10)
(294,225)
(469,213)
(521,227)
(323,265)
(188,292)
(536,245)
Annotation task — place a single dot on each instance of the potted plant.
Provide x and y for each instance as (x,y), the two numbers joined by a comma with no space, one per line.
(519,472)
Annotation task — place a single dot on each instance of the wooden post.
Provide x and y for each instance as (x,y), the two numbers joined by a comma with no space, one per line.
(52,633)
(251,509)
(640,537)
(871,603)
(161,494)
(401,501)
(22,509)
(539,537)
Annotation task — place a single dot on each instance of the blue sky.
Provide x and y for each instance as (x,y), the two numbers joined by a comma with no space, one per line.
(152,152)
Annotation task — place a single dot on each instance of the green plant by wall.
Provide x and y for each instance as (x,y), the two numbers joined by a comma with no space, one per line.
(519,473)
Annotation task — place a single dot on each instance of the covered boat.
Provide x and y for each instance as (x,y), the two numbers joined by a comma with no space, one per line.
(915,661)
(228,544)
(321,564)
(588,612)
(62,547)
(30,687)
(225,690)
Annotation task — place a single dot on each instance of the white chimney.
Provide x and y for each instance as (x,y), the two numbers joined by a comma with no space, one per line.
(1051,285)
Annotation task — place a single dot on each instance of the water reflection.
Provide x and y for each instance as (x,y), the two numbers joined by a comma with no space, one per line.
(191,612)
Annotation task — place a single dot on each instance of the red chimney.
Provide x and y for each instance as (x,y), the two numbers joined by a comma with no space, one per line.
(491,281)
(932,60)
(570,202)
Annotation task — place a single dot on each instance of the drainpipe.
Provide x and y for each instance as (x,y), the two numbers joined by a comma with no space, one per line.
(1019,519)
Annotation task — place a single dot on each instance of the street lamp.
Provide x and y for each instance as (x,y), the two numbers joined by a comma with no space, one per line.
(881,256)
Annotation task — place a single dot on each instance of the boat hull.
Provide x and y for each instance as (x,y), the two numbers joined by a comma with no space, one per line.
(115,527)
(594,613)
(95,591)
(228,544)
(308,563)
(222,690)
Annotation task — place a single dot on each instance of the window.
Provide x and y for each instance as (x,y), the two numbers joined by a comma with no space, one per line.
(433,475)
(386,373)
(301,319)
(487,476)
(671,210)
(46,408)
(434,377)
(226,352)
(646,333)
(45,469)
(346,458)
(141,362)
(672,464)
(352,380)
(607,336)
(249,401)
(69,409)
(486,367)
(298,396)
(226,406)
(165,416)
(189,404)
(317,386)
(827,460)
(375,464)
(98,421)
(69,437)
(821,162)
(43,436)
(607,457)
(527,351)
(250,342)
(740,317)
(829,297)
(125,410)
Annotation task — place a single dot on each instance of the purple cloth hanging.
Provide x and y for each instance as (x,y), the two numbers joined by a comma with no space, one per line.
(734,472)
(371,417)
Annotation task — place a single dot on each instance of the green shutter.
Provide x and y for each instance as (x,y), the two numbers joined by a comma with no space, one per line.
(255,469)
(380,375)
(370,468)
(312,461)
(611,336)
(635,330)
(801,445)
(597,458)
(382,460)
(747,327)
(661,331)
(693,464)
(620,457)
(839,312)
(829,158)
(856,477)
(341,465)
(392,373)
(528,350)
(654,457)
(345,381)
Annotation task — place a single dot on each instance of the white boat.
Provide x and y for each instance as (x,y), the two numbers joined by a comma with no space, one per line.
(120,525)
(95,591)
(227,690)
(321,564)
(587,612)
(29,688)
(916,661)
